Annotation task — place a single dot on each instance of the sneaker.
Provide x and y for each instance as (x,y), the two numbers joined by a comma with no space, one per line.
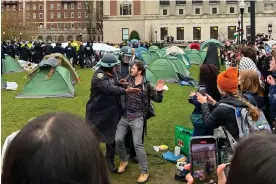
(143,178)
(122,167)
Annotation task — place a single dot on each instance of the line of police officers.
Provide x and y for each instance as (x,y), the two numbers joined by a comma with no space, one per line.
(34,52)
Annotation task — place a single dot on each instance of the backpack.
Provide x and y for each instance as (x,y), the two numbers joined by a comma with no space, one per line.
(247,127)
(150,110)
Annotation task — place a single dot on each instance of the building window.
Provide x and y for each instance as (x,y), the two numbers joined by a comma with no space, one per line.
(165,2)
(249,9)
(180,12)
(197,2)
(214,10)
(165,12)
(214,32)
(59,25)
(65,15)
(197,11)
(79,15)
(72,25)
(52,26)
(34,15)
(20,7)
(58,15)
(125,8)
(180,33)
(231,32)
(52,15)
(232,10)
(65,25)
(51,6)
(125,34)
(28,16)
(86,15)
(79,25)
(197,33)
(8,8)
(163,32)
(40,7)
(79,5)
(40,16)
(180,2)
(58,6)
(34,6)
(14,8)
(41,25)
(72,6)
(72,15)
(65,6)
(27,7)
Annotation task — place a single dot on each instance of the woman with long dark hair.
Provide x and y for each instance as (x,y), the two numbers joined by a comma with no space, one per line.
(207,77)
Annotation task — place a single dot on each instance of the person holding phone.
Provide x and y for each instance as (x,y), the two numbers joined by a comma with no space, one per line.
(253,162)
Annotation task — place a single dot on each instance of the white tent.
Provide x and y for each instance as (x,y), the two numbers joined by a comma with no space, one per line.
(96,46)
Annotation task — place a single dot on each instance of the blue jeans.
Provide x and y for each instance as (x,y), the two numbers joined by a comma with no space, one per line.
(136,127)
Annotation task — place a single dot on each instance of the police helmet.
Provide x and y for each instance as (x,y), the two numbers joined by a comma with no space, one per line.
(126,51)
(109,61)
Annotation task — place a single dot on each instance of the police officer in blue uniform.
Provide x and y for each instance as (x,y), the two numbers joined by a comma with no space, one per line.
(103,109)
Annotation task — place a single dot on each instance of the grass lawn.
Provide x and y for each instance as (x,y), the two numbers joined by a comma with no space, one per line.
(174,110)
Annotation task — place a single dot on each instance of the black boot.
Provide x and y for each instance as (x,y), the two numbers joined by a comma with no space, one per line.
(109,156)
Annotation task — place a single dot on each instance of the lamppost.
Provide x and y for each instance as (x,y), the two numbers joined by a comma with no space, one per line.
(239,30)
(252,23)
(269,30)
(4,33)
(156,36)
(20,36)
(242,5)
(55,38)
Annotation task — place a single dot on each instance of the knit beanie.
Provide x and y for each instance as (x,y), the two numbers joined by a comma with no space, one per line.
(228,80)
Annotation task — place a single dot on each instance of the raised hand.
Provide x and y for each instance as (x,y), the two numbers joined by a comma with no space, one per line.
(160,85)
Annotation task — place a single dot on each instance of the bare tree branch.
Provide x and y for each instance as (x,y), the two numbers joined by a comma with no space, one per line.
(12,25)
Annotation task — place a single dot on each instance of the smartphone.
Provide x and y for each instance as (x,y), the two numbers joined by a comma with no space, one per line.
(204,159)
(227,169)
(202,89)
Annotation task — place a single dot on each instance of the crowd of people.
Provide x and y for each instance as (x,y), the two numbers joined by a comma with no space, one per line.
(34,52)
(117,113)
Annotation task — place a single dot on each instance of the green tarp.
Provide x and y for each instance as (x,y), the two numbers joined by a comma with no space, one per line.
(153,48)
(58,85)
(182,70)
(10,65)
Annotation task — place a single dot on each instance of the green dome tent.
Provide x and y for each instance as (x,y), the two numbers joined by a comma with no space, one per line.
(187,50)
(151,77)
(145,56)
(182,70)
(195,57)
(155,55)
(205,44)
(184,58)
(10,65)
(164,69)
(153,48)
(50,79)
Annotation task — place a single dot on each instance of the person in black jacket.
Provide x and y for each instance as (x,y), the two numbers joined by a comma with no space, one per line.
(103,109)
(88,50)
(48,48)
(70,52)
(24,52)
(81,55)
(59,49)
(225,116)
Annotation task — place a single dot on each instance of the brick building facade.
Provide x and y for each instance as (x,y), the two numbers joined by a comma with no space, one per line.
(58,20)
